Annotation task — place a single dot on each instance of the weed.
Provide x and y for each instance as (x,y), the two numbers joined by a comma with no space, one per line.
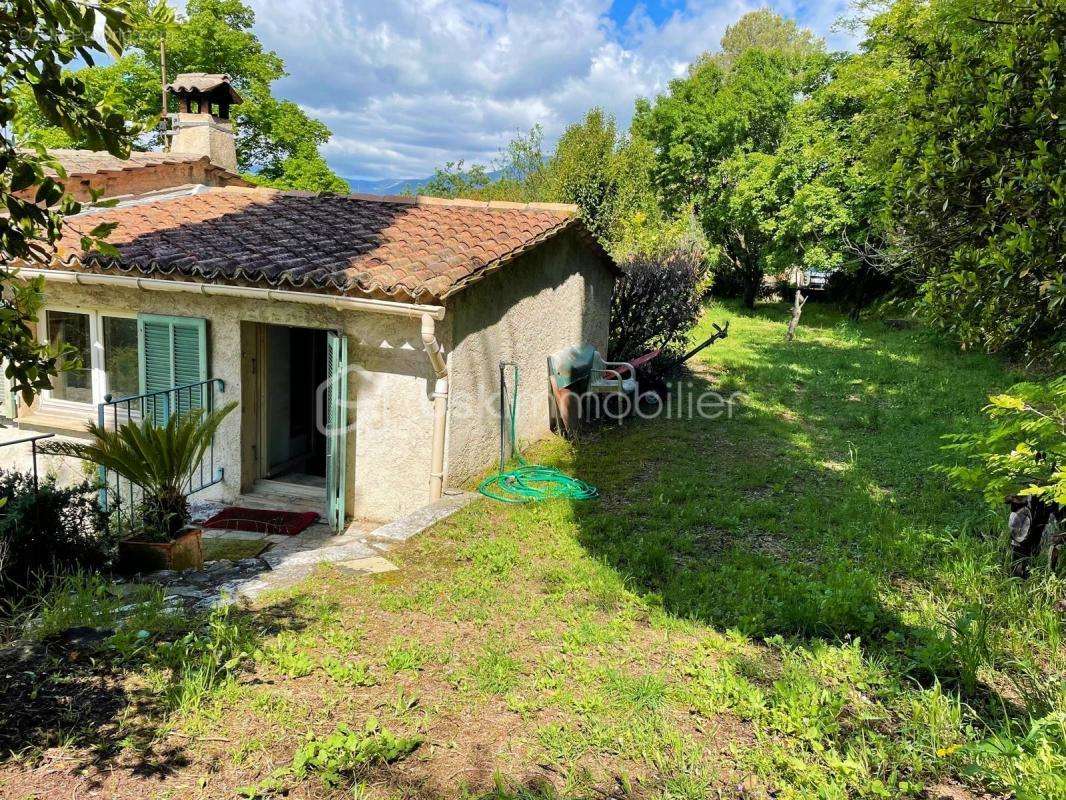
(495,671)
(336,759)
(970,629)
(406,654)
(76,600)
(404,702)
(289,656)
(348,674)
(201,662)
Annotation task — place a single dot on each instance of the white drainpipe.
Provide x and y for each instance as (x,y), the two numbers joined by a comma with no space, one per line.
(440,406)
(428,315)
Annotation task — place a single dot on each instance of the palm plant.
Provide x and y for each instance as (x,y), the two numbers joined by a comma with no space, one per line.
(156,458)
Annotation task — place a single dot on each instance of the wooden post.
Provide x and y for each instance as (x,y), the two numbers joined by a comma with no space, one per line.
(797,307)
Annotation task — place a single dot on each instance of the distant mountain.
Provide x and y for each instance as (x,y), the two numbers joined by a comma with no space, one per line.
(400,185)
(387,185)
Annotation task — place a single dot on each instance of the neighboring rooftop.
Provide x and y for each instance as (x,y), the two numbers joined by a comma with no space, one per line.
(410,249)
(79,163)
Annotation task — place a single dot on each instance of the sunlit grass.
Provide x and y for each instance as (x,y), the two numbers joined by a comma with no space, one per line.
(788,600)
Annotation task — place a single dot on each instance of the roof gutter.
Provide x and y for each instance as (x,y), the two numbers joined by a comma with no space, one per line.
(339,302)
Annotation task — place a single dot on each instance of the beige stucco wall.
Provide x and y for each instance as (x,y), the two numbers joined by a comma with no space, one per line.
(557,295)
(390,413)
(554,296)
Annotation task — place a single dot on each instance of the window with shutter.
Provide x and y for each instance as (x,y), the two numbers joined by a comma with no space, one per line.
(173,353)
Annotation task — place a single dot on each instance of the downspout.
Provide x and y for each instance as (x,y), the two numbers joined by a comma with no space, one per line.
(440,406)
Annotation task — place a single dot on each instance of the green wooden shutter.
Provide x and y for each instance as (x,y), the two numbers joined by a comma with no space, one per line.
(172,353)
(336,426)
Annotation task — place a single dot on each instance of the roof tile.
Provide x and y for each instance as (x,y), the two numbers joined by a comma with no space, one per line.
(402,248)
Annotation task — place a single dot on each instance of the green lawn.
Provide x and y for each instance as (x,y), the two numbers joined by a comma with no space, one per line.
(788,601)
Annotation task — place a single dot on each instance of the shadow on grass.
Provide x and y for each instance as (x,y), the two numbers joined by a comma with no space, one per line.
(77,692)
(800,514)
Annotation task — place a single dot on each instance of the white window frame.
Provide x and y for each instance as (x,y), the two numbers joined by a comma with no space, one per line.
(98,380)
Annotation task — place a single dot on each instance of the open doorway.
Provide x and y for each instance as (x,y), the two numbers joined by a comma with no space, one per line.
(285,450)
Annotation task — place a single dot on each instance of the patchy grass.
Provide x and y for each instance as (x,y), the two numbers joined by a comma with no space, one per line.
(787,601)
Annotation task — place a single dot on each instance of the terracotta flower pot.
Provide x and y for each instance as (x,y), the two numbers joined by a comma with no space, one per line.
(184,552)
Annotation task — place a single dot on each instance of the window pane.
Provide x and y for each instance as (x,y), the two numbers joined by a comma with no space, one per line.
(64,327)
(120,357)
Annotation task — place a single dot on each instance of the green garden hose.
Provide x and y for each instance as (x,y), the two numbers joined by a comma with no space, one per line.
(529,483)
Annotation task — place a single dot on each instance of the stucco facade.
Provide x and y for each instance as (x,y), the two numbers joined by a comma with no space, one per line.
(555,295)
(389,415)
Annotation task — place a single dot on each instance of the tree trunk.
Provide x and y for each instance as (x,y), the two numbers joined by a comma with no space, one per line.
(751,290)
(797,309)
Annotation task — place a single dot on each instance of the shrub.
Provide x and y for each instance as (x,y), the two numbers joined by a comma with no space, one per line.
(48,531)
(157,458)
(1022,451)
(655,304)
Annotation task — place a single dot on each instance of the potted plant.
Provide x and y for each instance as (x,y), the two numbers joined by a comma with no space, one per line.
(158,459)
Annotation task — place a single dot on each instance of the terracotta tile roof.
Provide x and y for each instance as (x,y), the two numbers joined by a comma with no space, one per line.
(408,249)
(95,162)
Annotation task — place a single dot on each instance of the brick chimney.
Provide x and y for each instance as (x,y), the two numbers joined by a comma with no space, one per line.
(202,124)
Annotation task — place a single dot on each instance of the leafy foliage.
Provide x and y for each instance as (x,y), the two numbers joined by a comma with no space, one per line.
(39,38)
(656,302)
(715,133)
(764,30)
(48,530)
(455,180)
(336,758)
(277,143)
(976,193)
(1023,450)
(157,458)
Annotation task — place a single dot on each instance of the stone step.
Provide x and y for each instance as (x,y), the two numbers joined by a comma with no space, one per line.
(281,502)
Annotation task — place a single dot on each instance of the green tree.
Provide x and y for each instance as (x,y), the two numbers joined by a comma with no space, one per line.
(455,180)
(764,30)
(830,170)
(609,178)
(977,191)
(277,143)
(714,135)
(520,166)
(38,39)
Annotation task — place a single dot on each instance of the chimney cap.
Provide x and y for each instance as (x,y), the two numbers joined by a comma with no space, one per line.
(215,84)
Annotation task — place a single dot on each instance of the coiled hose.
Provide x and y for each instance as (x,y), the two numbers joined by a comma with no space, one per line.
(531,483)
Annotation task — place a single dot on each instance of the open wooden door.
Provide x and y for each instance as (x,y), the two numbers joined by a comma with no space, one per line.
(336,414)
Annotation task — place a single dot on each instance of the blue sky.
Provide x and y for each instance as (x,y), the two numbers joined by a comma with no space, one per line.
(407,85)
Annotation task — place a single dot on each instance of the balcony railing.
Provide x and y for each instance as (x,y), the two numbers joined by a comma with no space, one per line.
(118,493)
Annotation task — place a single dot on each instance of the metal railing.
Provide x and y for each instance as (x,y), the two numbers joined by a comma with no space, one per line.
(33,451)
(119,493)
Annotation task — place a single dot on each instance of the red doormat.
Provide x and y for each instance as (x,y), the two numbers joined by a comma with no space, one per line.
(260,520)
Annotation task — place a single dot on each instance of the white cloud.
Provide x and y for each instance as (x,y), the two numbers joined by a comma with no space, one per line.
(406,85)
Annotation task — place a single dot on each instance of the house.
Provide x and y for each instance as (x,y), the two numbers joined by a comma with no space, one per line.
(359,335)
